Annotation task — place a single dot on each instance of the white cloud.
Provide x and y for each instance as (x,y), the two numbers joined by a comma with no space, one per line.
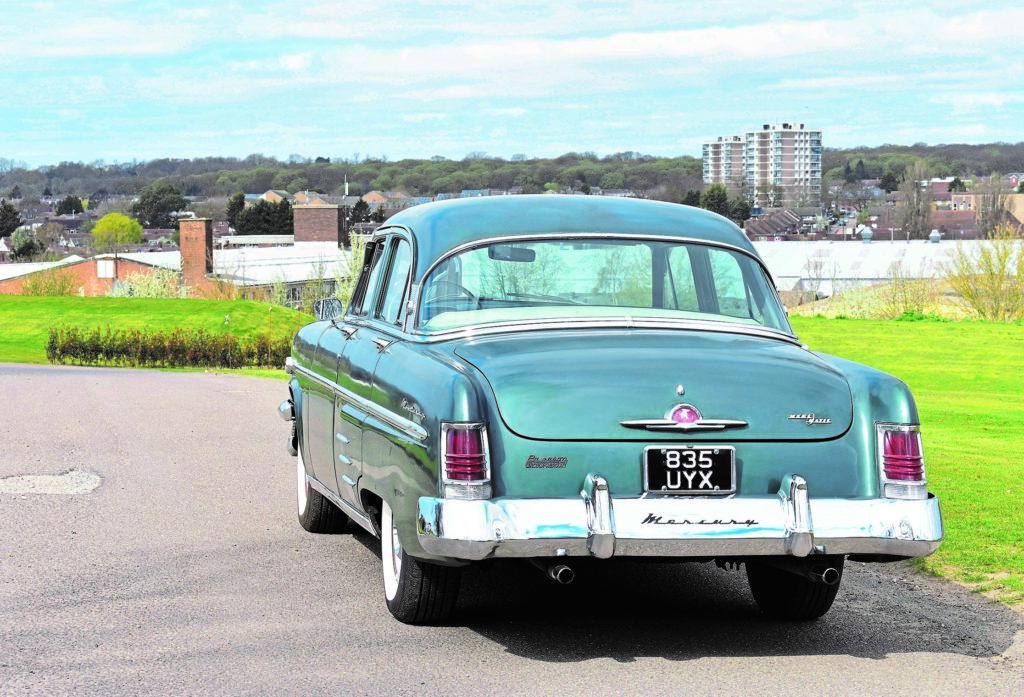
(422,117)
(511,111)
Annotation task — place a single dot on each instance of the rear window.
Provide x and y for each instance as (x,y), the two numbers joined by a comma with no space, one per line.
(562,279)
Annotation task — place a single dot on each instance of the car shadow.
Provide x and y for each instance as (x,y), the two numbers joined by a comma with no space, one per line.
(625,610)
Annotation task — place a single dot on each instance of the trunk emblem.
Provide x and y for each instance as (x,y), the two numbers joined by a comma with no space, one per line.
(684,417)
(684,414)
(811,419)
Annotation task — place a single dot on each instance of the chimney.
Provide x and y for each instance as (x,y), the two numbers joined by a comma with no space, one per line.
(196,250)
(317,223)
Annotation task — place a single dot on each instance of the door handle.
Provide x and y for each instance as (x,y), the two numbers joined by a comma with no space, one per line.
(349,332)
(382,344)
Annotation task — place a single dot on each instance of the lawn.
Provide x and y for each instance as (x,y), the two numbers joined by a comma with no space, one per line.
(25,321)
(968,379)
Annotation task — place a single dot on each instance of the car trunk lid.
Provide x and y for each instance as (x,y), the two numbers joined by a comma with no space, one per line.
(597,385)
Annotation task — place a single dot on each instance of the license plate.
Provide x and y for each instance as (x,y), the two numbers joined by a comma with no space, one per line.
(690,470)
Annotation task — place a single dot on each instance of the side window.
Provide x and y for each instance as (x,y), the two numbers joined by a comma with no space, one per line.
(730,285)
(367,291)
(680,289)
(393,293)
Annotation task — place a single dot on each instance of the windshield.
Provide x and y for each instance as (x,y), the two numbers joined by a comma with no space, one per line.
(563,279)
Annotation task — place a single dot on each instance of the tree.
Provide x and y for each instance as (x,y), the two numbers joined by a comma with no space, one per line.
(739,209)
(889,182)
(266,218)
(989,278)
(716,199)
(114,230)
(234,206)
(914,215)
(957,186)
(10,219)
(691,198)
(361,212)
(24,245)
(992,205)
(69,205)
(1020,187)
(49,235)
(15,193)
(157,204)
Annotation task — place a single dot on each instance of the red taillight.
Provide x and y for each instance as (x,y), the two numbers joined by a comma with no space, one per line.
(902,457)
(465,459)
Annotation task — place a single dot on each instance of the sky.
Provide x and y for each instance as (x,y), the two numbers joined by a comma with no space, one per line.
(116,81)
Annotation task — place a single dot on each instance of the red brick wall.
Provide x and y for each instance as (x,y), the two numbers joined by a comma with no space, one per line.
(316,223)
(196,250)
(86,275)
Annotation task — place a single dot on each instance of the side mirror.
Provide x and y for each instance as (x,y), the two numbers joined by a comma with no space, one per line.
(328,308)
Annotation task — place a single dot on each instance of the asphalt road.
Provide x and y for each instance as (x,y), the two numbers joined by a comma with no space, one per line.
(179,568)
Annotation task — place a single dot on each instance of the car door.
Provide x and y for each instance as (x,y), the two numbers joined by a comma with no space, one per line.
(354,376)
(376,338)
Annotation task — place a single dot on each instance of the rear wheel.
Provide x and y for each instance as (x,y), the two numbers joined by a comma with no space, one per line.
(786,595)
(416,592)
(316,513)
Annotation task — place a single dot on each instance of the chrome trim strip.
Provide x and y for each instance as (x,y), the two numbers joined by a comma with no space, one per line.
(677,526)
(348,509)
(409,428)
(669,425)
(606,323)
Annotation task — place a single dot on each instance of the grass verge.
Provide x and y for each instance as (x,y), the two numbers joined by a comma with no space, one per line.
(968,380)
(25,321)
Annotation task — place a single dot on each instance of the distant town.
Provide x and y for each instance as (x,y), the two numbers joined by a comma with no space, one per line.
(777,181)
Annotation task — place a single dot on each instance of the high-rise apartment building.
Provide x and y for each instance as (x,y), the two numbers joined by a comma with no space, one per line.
(723,161)
(781,164)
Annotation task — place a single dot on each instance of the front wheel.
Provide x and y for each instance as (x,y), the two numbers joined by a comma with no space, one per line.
(788,595)
(316,513)
(416,592)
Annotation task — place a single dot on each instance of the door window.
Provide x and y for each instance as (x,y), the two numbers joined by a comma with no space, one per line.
(393,295)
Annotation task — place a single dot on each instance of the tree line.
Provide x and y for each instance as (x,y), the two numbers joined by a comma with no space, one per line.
(662,177)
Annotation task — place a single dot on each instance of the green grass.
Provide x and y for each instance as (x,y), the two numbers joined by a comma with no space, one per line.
(968,380)
(25,321)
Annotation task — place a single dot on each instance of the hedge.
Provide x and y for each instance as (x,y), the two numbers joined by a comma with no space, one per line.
(180,348)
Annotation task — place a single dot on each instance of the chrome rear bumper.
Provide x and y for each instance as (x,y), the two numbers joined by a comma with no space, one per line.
(598,525)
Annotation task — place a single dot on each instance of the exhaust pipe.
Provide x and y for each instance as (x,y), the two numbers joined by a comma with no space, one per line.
(829,575)
(558,572)
(822,572)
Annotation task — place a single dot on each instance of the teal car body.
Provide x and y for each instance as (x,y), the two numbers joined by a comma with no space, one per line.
(554,377)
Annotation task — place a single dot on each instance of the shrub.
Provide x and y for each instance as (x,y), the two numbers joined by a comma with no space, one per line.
(50,283)
(180,348)
(162,283)
(989,280)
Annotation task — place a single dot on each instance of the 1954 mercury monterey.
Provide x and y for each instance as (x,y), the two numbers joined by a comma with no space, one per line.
(557,377)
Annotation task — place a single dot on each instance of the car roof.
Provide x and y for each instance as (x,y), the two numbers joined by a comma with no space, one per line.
(443,225)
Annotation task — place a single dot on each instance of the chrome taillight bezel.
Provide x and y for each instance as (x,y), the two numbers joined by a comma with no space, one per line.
(890,488)
(473,489)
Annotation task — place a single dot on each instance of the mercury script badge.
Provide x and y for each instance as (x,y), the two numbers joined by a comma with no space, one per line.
(412,408)
(810,419)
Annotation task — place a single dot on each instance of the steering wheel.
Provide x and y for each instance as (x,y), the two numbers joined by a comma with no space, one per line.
(454,290)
